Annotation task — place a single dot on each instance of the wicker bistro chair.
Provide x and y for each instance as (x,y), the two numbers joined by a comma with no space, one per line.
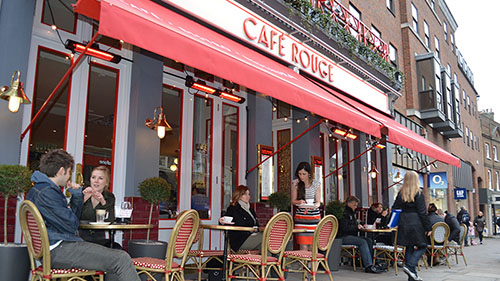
(274,239)
(352,252)
(200,258)
(390,253)
(323,237)
(37,240)
(439,240)
(179,245)
(459,249)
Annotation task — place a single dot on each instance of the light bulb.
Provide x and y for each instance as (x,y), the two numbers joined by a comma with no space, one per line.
(298,121)
(161,131)
(274,108)
(173,167)
(176,161)
(285,119)
(14,103)
(373,174)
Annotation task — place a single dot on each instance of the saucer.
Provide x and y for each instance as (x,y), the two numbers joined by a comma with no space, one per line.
(100,223)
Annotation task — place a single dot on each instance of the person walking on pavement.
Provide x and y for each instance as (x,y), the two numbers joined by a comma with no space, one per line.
(479,223)
(414,224)
(464,217)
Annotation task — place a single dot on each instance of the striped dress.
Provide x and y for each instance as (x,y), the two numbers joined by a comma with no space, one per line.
(307,218)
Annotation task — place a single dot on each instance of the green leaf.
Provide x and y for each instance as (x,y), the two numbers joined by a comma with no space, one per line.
(154,190)
(14,179)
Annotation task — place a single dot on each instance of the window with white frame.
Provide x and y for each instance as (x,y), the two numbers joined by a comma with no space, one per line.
(390,5)
(427,36)
(445,28)
(487,150)
(495,156)
(414,14)
(467,135)
(465,98)
(433,5)
(497,181)
(436,43)
(452,40)
(468,104)
(393,54)
(471,140)
(490,186)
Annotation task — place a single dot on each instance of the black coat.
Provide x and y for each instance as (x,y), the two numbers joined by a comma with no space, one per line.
(413,221)
(240,218)
(372,216)
(348,225)
(452,222)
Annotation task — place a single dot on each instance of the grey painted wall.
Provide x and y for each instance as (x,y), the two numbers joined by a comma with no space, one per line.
(16,21)
(143,145)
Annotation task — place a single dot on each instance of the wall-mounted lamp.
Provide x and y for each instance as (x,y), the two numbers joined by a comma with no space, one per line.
(373,171)
(15,93)
(200,86)
(158,123)
(92,51)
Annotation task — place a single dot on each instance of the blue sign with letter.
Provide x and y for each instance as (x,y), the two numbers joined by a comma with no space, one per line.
(460,193)
(438,180)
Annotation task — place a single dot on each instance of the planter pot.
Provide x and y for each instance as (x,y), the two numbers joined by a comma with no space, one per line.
(14,262)
(334,255)
(142,248)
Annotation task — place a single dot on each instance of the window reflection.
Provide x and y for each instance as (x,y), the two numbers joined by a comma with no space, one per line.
(229,152)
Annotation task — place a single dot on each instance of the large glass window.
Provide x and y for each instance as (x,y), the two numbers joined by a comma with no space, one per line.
(393,54)
(100,119)
(202,154)
(49,130)
(487,150)
(490,185)
(170,158)
(436,43)
(230,146)
(345,172)
(495,155)
(332,166)
(60,13)
(445,29)
(497,181)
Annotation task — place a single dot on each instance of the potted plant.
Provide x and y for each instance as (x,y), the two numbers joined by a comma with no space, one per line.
(14,259)
(280,200)
(336,208)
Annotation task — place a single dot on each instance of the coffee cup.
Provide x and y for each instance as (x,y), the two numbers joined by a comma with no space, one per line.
(227,219)
(101,215)
(309,201)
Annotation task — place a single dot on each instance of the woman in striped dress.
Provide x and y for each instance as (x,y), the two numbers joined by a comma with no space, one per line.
(304,187)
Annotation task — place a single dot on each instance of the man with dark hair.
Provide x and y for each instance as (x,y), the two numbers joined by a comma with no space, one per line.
(453,224)
(464,217)
(67,250)
(348,231)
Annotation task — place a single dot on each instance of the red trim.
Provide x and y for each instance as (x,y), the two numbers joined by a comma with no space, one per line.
(41,21)
(114,118)
(40,48)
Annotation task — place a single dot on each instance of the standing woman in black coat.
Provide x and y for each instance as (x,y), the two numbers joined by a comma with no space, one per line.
(414,223)
(243,215)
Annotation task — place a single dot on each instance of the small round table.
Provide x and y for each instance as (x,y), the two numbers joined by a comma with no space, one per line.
(377,230)
(227,228)
(112,228)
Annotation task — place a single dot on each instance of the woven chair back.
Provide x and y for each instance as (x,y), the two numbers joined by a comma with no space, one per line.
(182,237)
(440,232)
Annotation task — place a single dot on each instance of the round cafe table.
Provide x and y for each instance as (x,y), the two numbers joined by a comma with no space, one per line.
(112,228)
(226,228)
(377,230)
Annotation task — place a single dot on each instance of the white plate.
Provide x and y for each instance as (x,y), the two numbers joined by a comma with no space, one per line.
(307,206)
(100,223)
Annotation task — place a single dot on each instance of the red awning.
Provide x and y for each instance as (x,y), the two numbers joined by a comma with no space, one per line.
(155,28)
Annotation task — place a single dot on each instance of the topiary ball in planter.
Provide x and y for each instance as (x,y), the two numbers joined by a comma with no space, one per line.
(336,208)
(280,200)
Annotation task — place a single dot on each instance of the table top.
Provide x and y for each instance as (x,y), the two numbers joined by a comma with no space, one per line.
(227,227)
(384,230)
(115,226)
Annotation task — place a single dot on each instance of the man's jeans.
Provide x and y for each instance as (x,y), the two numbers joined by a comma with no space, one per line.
(116,263)
(365,246)
(412,257)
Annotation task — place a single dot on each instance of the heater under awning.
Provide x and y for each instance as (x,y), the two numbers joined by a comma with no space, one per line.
(153,27)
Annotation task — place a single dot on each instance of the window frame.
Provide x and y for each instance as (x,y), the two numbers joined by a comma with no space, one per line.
(487,150)
(414,15)
(427,37)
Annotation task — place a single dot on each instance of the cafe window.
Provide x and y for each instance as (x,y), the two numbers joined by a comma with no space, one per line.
(61,14)
(170,146)
(201,180)
(345,172)
(332,166)
(100,119)
(230,144)
(49,130)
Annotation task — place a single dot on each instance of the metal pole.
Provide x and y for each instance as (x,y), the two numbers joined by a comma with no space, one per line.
(359,155)
(281,148)
(70,70)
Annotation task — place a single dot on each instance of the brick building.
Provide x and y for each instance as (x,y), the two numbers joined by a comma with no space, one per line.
(489,195)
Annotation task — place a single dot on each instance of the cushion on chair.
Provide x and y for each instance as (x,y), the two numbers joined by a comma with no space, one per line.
(387,247)
(302,254)
(184,233)
(250,258)
(36,238)
(435,246)
(152,263)
(277,235)
(248,252)
(206,253)
(66,270)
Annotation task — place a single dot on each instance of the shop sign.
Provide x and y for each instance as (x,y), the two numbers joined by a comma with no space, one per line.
(257,31)
(438,180)
(460,193)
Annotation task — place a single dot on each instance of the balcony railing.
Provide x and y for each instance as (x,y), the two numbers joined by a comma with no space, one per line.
(354,26)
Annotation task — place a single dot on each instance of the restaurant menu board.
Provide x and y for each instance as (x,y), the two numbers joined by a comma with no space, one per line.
(317,163)
(265,171)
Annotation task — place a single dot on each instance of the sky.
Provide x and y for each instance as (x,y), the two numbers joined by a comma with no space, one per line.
(478,39)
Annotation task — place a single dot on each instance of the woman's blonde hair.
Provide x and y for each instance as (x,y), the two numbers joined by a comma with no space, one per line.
(410,187)
(237,193)
(106,173)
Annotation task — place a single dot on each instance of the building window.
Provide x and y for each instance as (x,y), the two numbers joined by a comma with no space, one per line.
(468,104)
(393,54)
(497,181)
(354,12)
(390,5)
(465,98)
(414,14)
(487,150)
(436,43)
(490,186)
(495,155)
(467,136)
(445,28)
(427,36)
(433,5)
(471,139)
(452,39)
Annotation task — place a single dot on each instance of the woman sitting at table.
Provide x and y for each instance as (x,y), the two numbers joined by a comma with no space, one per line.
(243,215)
(98,198)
